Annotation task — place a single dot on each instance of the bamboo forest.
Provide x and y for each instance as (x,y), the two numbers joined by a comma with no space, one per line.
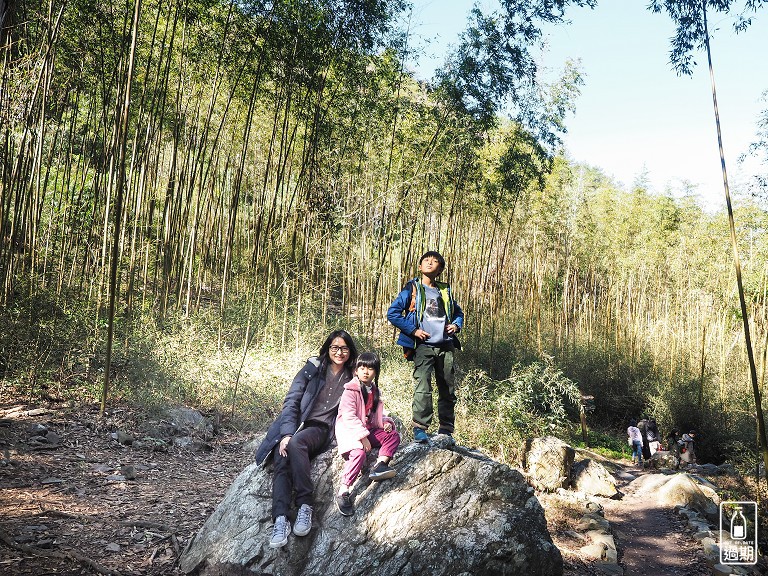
(194,193)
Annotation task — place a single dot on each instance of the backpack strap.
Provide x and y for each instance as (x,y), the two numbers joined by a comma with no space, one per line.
(412,306)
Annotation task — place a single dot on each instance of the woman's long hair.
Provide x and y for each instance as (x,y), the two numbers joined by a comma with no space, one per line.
(325,348)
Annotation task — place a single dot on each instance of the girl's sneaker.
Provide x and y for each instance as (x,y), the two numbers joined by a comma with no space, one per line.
(381,472)
(344,504)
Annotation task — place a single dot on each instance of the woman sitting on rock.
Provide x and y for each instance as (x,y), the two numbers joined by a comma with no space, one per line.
(304,429)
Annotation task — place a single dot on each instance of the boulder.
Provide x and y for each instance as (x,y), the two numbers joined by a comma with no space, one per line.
(548,461)
(593,479)
(682,490)
(448,511)
(664,459)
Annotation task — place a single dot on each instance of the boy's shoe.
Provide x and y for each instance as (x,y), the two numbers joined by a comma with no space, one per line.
(420,436)
(344,504)
(444,432)
(381,472)
(303,520)
(280,532)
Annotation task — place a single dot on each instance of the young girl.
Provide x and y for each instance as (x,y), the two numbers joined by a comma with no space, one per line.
(361,425)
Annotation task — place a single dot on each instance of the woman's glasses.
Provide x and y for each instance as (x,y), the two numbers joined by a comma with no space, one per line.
(339,349)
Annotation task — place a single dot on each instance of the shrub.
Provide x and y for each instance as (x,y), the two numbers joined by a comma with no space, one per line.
(535,400)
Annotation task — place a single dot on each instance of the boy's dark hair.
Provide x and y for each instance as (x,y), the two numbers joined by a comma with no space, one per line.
(433,254)
(369,360)
(633,422)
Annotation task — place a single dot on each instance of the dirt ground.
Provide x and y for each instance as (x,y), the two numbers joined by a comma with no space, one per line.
(71,508)
(85,503)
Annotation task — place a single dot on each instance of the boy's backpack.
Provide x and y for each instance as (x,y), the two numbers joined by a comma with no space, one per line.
(409,352)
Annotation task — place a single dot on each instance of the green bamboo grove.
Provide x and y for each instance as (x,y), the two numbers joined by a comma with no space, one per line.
(278,162)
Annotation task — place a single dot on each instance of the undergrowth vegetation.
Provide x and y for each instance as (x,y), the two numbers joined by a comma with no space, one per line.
(51,351)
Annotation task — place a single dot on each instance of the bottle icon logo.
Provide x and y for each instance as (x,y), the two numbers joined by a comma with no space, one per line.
(738,533)
(738,525)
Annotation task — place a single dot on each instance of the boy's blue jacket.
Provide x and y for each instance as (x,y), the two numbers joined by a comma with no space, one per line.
(297,406)
(401,316)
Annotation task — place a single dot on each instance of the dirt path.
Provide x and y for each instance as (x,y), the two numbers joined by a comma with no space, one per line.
(651,540)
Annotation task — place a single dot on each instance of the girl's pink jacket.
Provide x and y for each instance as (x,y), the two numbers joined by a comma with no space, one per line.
(351,426)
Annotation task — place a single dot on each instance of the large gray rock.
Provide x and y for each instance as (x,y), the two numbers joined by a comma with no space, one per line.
(665,459)
(682,490)
(449,511)
(593,479)
(548,461)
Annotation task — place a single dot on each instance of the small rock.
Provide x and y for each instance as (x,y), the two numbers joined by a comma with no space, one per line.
(51,480)
(37,430)
(129,472)
(721,569)
(53,438)
(112,547)
(593,551)
(599,537)
(590,522)
(23,538)
(123,438)
(595,507)
(116,478)
(45,544)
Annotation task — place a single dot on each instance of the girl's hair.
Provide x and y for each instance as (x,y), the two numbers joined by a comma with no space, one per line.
(370,360)
(343,334)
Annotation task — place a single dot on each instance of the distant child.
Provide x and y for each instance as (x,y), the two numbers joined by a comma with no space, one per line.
(635,439)
(687,449)
(360,426)
(429,320)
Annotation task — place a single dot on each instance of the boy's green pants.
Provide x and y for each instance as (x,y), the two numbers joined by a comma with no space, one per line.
(426,360)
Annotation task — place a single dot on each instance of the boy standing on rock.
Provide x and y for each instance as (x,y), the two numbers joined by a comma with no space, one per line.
(429,320)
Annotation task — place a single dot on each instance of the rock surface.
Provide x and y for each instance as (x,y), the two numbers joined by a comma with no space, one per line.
(593,479)
(448,511)
(548,461)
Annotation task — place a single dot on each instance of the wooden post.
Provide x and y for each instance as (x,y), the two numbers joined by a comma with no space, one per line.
(587,405)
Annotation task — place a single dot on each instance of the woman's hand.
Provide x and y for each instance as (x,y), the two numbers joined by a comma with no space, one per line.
(388,426)
(366,444)
(284,446)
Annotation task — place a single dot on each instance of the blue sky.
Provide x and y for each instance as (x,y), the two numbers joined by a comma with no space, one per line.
(635,114)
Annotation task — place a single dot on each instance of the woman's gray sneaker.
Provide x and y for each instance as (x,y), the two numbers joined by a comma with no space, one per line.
(303,520)
(280,532)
